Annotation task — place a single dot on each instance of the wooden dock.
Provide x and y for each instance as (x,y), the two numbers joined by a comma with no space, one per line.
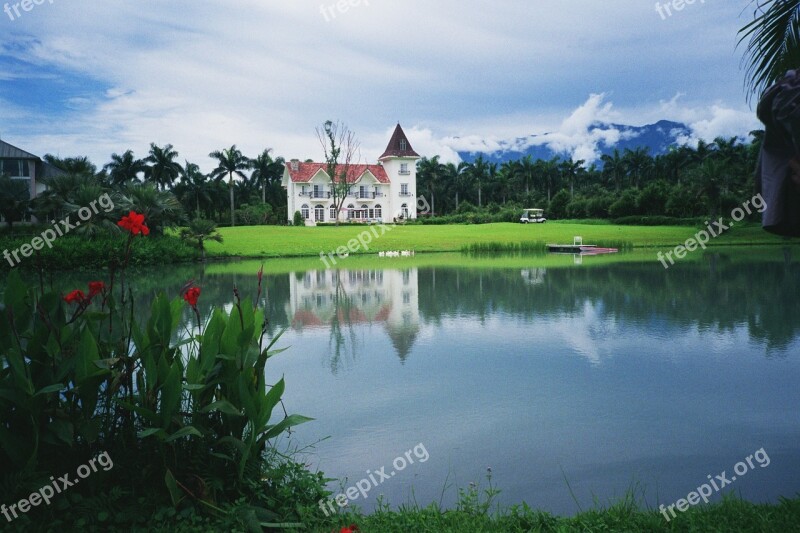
(577,247)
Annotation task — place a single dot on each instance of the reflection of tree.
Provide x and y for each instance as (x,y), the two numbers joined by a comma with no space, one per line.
(721,292)
(343,309)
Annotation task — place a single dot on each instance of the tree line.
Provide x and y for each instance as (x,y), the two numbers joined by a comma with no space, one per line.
(685,182)
(167,191)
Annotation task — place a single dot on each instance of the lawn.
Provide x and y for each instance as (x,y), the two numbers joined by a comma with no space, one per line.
(284,241)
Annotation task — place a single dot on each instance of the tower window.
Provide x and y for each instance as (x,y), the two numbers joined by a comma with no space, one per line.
(403,144)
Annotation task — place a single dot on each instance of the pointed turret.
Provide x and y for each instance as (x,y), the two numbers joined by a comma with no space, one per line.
(399,145)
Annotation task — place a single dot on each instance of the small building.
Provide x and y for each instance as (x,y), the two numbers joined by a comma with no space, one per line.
(21,165)
(380,192)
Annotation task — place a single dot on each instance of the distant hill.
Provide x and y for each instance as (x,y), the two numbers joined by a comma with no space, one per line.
(658,137)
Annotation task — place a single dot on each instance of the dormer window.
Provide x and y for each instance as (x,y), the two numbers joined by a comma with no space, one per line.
(403,145)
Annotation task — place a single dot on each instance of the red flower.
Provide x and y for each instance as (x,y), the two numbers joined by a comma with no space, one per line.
(76,296)
(95,288)
(134,222)
(352,529)
(191,296)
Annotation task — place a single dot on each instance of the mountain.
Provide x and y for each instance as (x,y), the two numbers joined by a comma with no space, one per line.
(596,140)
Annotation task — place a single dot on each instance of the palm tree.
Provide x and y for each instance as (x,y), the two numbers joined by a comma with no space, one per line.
(505,177)
(773,43)
(163,170)
(479,171)
(570,170)
(713,177)
(266,171)
(160,208)
(614,165)
(199,232)
(526,168)
(231,161)
(124,168)
(428,173)
(457,178)
(56,199)
(638,162)
(194,185)
(72,165)
(549,171)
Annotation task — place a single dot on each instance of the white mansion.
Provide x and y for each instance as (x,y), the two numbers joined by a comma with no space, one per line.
(380,192)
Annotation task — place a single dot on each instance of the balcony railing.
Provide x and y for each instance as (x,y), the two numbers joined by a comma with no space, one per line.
(316,194)
(405,194)
(368,195)
(405,172)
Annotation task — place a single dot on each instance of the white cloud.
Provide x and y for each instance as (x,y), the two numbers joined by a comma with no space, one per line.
(459,77)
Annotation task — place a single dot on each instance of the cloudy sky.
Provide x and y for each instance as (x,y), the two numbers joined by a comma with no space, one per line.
(91,77)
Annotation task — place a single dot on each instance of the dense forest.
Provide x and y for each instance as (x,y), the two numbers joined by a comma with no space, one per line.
(685,182)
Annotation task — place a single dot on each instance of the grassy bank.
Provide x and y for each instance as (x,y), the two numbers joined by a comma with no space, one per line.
(281,241)
(730,515)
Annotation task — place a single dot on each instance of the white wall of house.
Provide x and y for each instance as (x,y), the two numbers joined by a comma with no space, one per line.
(403,195)
(368,200)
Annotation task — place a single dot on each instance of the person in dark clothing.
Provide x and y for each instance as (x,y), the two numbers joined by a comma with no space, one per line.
(778,172)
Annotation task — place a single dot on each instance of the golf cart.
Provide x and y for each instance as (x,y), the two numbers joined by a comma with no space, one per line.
(535,216)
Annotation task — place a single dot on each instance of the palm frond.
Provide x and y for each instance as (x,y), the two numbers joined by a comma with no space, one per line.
(773,43)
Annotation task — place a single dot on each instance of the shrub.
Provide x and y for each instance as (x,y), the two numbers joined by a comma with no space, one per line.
(558,206)
(578,208)
(254,215)
(184,413)
(626,205)
(298,219)
(466,207)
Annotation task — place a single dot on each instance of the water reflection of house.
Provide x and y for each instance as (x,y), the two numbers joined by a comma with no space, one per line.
(348,298)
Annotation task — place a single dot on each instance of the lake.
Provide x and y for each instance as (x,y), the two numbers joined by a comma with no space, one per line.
(573,379)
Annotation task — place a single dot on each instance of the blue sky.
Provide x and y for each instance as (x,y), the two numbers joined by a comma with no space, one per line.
(85,77)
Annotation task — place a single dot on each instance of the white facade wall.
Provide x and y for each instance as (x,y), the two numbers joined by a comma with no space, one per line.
(376,201)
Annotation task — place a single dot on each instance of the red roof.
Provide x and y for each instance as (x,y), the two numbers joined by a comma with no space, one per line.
(306,171)
(399,145)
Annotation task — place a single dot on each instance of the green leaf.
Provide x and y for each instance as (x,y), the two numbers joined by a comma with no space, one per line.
(63,430)
(86,357)
(272,399)
(289,421)
(150,432)
(107,364)
(183,432)
(16,292)
(58,387)
(171,395)
(172,487)
(222,406)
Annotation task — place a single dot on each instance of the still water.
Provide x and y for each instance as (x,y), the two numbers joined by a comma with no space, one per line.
(572,382)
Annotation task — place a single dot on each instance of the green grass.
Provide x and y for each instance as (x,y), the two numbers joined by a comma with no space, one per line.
(730,515)
(283,241)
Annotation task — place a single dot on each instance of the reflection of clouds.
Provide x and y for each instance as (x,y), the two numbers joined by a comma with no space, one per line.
(597,336)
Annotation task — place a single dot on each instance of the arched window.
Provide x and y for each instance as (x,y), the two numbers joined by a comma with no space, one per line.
(304,211)
(319,213)
(333,213)
(378,212)
(404,210)
(350,211)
